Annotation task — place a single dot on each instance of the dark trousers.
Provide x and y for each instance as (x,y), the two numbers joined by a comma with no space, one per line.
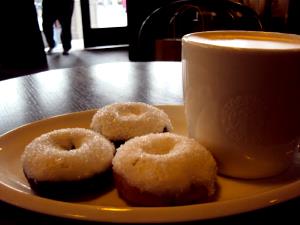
(62,11)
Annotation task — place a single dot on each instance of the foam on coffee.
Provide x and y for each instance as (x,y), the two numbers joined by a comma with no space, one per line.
(247,40)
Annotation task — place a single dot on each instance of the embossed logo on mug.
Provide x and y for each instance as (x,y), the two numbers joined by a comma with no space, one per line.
(243,119)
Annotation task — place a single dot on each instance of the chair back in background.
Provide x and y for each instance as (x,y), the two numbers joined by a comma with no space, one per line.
(159,36)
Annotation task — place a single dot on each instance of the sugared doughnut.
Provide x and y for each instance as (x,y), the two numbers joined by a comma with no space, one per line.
(164,169)
(122,121)
(64,161)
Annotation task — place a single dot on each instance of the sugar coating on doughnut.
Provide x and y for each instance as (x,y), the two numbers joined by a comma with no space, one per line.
(165,163)
(67,155)
(122,121)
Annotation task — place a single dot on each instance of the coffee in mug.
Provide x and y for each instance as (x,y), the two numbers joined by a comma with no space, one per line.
(242,98)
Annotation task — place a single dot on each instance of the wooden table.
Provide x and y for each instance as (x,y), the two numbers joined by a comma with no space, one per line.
(42,95)
(30,98)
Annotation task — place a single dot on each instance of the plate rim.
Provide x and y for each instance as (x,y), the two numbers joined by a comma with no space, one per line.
(129,214)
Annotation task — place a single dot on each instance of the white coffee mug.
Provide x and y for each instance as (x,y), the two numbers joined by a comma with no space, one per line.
(242,98)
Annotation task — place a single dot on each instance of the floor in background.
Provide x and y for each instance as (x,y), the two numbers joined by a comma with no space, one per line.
(86,57)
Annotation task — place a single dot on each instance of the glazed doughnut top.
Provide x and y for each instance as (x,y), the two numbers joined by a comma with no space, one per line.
(122,121)
(67,154)
(165,163)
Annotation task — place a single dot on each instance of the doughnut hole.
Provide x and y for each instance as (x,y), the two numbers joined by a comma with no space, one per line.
(67,142)
(159,147)
(165,130)
(131,111)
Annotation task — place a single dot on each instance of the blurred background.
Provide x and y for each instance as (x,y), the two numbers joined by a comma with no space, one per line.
(131,30)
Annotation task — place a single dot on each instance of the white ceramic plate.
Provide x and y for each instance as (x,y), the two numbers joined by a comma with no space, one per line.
(235,196)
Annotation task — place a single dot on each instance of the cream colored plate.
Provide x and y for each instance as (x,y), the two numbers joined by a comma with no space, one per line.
(235,196)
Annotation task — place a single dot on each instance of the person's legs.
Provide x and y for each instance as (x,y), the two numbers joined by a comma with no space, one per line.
(65,20)
(48,21)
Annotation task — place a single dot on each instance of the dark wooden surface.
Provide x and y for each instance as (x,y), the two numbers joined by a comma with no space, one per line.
(30,98)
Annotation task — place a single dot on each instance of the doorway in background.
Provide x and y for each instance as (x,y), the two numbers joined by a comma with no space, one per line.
(104,22)
(94,23)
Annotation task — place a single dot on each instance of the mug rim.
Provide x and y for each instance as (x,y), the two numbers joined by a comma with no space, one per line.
(199,39)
